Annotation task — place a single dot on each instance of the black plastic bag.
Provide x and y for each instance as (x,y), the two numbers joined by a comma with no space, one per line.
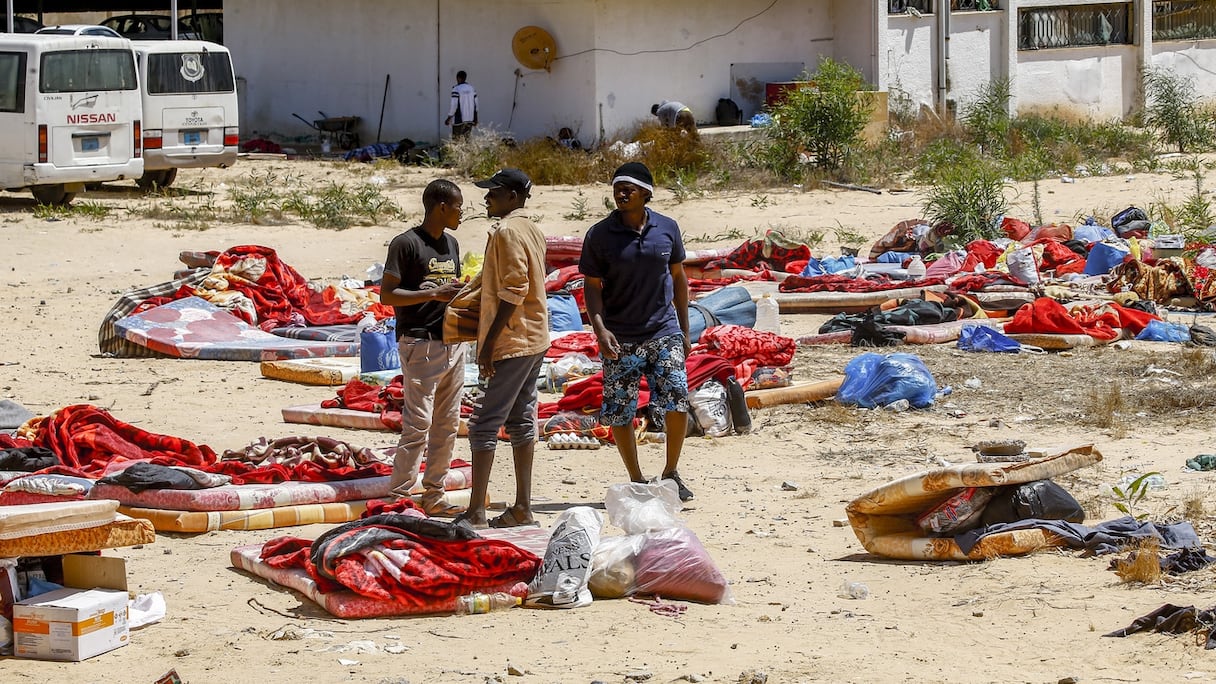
(1041,500)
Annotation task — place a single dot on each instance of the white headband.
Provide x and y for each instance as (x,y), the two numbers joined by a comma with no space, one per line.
(630,179)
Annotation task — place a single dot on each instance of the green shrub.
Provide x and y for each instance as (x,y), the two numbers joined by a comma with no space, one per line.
(819,127)
(969,195)
(986,119)
(1174,110)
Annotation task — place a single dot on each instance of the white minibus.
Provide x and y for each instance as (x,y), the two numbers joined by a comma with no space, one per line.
(69,114)
(190,113)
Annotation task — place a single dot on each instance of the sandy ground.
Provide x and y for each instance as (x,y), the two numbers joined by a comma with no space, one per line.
(1035,619)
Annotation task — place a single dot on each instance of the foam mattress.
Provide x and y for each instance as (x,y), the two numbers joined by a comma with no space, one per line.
(844,302)
(46,518)
(193,328)
(332,371)
(884,518)
(259,496)
(120,531)
(262,518)
(314,414)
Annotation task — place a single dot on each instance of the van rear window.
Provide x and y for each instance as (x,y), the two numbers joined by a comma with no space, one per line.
(12,82)
(78,71)
(189,72)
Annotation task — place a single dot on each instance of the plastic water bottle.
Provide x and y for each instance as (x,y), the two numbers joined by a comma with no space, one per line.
(854,590)
(477,602)
(916,268)
(766,314)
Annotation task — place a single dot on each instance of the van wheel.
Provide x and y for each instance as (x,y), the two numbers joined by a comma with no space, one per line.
(152,180)
(52,194)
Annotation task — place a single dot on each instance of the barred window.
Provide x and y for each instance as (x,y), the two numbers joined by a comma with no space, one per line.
(926,6)
(1184,20)
(1075,25)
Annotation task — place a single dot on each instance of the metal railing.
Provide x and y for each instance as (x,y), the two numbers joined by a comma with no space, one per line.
(1191,20)
(926,6)
(1075,25)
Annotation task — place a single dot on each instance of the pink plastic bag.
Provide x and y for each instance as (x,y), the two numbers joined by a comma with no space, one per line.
(661,557)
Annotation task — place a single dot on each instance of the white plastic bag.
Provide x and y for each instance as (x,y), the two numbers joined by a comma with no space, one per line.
(1022,265)
(660,556)
(640,506)
(710,409)
(562,580)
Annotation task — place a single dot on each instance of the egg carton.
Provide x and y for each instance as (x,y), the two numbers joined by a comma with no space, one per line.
(564,440)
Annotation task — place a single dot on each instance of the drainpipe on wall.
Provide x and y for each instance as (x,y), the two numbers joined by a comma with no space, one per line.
(438,75)
(943,57)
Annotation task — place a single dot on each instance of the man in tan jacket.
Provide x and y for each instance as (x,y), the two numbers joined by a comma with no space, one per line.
(512,338)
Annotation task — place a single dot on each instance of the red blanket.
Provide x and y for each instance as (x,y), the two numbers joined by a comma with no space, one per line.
(587,395)
(90,442)
(773,252)
(87,439)
(402,558)
(1046,315)
(746,348)
(280,295)
(574,343)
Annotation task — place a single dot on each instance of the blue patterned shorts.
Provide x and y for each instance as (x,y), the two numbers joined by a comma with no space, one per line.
(661,360)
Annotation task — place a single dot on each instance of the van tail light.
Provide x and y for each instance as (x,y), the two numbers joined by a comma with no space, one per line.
(153,139)
(232,136)
(42,156)
(138,135)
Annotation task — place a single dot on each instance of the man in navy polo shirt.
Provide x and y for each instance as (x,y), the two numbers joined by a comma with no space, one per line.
(637,301)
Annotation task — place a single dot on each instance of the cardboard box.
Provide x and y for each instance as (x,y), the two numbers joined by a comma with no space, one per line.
(70,624)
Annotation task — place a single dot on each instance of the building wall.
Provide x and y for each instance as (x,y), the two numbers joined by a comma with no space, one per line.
(976,55)
(476,36)
(854,23)
(1100,81)
(305,56)
(648,52)
(309,56)
(909,61)
(1191,58)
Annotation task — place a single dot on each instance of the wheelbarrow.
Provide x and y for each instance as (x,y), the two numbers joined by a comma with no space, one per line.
(338,130)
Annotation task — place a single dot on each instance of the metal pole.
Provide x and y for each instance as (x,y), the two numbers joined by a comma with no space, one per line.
(173,20)
(383,100)
(9,9)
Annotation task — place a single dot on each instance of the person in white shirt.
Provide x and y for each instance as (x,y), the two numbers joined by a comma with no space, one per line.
(462,115)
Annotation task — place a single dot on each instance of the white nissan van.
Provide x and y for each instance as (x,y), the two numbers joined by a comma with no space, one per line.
(69,114)
(189,102)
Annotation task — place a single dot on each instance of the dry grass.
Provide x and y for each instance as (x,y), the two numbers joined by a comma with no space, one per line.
(1197,361)
(1194,507)
(1105,406)
(1143,565)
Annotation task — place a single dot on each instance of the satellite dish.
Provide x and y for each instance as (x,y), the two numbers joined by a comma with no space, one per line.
(534,47)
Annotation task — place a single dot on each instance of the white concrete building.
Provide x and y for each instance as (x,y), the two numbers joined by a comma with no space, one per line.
(615,58)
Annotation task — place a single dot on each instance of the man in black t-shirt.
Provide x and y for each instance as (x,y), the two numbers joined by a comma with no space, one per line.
(421,275)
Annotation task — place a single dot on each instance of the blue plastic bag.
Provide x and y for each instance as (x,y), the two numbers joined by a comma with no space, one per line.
(761,120)
(378,347)
(1103,257)
(829,265)
(563,313)
(981,338)
(1161,331)
(872,380)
